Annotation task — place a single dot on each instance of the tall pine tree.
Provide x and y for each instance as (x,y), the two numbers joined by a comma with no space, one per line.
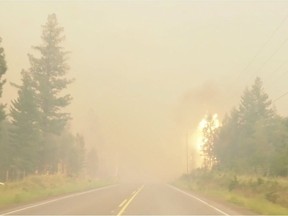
(49,76)
(255,105)
(244,141)
(49,80)
(255,115)
(3,68)
(3,142)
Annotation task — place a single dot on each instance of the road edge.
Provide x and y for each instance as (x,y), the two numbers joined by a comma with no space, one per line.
(41,203)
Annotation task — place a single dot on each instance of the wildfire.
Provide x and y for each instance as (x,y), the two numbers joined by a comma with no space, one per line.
(199,137)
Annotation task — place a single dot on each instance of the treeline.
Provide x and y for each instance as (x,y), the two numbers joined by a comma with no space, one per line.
(253,138)
(34,135)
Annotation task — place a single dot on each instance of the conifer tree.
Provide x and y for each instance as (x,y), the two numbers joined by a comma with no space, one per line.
(3,140)
(244,141)
(3,68)
(49,76)
(48,73)
(24,132)
(255,105)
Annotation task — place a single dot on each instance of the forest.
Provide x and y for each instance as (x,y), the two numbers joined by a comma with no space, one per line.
(253,138)
(34,134)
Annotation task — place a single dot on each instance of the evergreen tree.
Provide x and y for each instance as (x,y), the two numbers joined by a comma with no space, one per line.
(228,143)
(48,74)
(24,132)
(244,142)
(5,150)
(255,115)
(255,105)
(278,165)
(3,68)
(3,140)
(49,80)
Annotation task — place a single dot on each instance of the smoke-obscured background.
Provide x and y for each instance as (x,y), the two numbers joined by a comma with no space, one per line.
(146,72)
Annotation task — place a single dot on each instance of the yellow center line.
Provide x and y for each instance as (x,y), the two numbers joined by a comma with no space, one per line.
(122,203)
(129,201)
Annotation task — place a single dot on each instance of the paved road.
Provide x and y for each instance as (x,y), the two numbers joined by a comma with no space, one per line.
(126,199)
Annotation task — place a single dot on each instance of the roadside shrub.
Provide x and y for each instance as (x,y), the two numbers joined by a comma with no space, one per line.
(283,199)
(233,183)
(260,181)
(272,196)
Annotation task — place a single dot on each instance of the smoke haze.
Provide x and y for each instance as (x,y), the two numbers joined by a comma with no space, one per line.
(146,72)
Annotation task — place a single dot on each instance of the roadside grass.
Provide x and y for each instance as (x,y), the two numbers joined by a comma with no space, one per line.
(35,188)
(262,195)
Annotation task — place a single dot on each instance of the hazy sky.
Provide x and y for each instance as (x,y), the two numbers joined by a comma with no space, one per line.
(148,71)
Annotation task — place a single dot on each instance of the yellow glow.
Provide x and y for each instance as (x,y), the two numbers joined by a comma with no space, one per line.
(216,121)
(199,137)
(202,123)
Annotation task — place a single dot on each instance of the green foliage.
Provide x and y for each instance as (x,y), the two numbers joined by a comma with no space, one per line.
(253,138)
(251,148)
(254,106)
(25,134)
(39,140)
(5,150)
(48,72)
(272,196)
(49,81)
(34,188)
(3,69)
(233,183)
(279,141)
(227,143)
(261,195)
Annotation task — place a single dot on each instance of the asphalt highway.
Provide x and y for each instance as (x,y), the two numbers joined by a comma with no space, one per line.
(127,199)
